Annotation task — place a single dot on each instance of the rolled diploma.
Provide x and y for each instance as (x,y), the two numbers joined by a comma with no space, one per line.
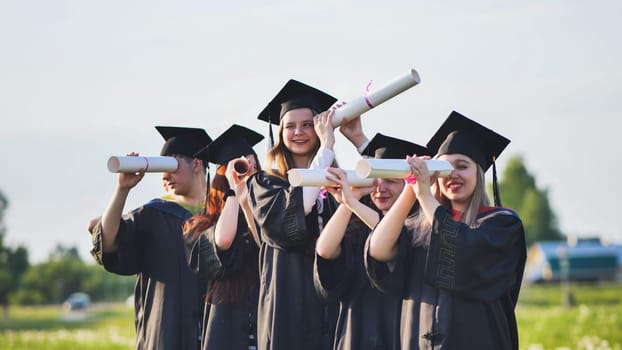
(128,164)
(360,105)
(397,168)
(317,178)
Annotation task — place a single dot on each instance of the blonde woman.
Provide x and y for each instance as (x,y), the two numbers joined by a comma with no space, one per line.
(459,264)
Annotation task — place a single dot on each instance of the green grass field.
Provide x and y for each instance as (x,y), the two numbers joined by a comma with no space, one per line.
(106,327)
(593,323)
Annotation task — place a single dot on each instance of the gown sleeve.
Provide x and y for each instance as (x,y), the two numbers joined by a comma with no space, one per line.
(478,263)
(233,259)
(322,160)
(333,277)
(127,259)
(278,210)
(389,277)
(204,258)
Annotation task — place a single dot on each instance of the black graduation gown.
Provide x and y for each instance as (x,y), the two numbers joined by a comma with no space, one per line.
(167,296)
(291,315)
(460,292)
(229,325)
(368,319)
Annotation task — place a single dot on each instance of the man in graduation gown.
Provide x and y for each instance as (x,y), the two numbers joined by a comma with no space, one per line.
(148,242)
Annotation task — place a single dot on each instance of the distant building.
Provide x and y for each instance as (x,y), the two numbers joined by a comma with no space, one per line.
(588,260)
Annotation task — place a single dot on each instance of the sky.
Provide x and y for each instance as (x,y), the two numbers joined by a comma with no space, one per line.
(81,81)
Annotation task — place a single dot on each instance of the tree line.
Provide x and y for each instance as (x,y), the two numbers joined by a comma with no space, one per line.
(53,280)
(65,272)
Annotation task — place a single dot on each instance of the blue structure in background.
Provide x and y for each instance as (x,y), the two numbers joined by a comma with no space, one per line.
(589,260)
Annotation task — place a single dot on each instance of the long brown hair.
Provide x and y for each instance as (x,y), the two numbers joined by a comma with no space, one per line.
(231,289)
(194,226)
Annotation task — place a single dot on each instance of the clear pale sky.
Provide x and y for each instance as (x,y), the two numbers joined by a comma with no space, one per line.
(81,81)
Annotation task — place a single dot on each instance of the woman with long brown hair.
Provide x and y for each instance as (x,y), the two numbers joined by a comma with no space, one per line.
(226,252)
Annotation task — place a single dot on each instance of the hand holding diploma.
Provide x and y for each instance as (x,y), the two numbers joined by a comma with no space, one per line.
(374,98)
(127,180)
(344,192)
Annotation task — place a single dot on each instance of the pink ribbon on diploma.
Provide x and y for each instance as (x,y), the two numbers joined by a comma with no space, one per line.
(366,92)
(323,194)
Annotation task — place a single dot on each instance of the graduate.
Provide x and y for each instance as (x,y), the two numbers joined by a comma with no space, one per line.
(148,242)
(459,264)
(290,313)
(368,318)
(226,253)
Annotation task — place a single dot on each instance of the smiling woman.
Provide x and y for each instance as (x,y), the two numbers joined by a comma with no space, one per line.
(460,268)
(290,313)
(299,135)
(286,255)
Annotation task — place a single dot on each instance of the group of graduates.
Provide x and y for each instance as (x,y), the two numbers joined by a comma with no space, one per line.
(248,261)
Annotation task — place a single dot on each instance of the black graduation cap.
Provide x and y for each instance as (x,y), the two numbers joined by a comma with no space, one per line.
(190,142)
(459,134)
(235,142)
(387,147)
(293,95)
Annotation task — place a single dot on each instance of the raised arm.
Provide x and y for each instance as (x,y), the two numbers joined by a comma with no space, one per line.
(421,187)
(383,241)
(353,131)
(324,157)
(328,245)
(111,218)
(227,224)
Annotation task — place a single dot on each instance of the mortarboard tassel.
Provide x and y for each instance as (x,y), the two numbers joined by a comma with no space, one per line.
(495,186)
(271,136)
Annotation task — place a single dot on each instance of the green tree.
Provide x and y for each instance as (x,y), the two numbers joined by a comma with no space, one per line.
(13,262)
(52,281)
(519,192)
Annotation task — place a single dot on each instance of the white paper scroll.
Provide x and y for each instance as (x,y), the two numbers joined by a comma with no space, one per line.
(155,164)
(317,178)
(375,97)
(397,168)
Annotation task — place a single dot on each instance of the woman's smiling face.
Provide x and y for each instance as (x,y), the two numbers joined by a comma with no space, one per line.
(299,135)
(459,186)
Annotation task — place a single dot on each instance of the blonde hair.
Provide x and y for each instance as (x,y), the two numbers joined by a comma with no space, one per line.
(422,227)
